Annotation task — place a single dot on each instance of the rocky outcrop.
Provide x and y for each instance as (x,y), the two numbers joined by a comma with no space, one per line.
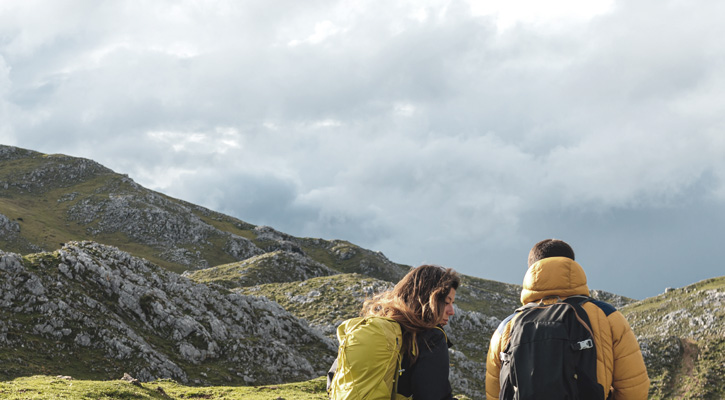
(273,267)
(614,299)
(690,312)
(9,153)
(92,299)
(157,221)
(51,171)
(8,227)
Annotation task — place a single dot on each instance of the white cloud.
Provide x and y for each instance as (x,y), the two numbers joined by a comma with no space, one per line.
(445,131)
(219,141)
(5,82)
(7,110)
(404,109)
(323,30)
(326,123)
(511,12)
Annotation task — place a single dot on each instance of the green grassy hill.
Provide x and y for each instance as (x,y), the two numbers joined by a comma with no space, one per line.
(47,200)
(682,333)
(273,267)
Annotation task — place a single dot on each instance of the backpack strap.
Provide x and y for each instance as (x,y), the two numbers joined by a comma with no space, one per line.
(330,374)
(396,377)
(444,332)
(399,366)
(577,302)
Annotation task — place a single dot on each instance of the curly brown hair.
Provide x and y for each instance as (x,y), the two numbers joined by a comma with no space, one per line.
(417,302)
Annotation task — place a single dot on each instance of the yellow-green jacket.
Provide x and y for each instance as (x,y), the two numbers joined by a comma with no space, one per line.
(620,366)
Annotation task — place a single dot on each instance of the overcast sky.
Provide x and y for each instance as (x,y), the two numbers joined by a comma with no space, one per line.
(451,132)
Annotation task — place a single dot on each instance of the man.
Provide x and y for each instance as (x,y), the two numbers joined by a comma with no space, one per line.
(553,274)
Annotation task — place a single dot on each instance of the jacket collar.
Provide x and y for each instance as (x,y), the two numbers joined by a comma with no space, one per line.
(554,276)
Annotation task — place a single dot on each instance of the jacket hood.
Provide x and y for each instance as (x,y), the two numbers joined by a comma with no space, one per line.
(554,276)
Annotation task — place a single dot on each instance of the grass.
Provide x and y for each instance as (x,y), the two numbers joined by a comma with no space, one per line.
(689,360)
(488,297)
(271,267)
(695,372)
(335,297)
(227,224)
(44,220)
(227,275)
(680,312)
(346,257)
(59,387)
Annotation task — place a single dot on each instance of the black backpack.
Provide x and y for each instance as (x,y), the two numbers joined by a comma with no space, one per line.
(551,354)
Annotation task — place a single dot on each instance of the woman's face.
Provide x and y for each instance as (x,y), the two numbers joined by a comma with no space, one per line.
(448,311)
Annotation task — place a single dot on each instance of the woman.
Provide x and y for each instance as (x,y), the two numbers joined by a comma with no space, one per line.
(422,302)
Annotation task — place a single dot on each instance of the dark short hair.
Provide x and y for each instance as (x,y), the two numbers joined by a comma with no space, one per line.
(550,248)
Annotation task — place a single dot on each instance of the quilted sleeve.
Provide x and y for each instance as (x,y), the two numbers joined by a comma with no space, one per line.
(493,359)
(630,380)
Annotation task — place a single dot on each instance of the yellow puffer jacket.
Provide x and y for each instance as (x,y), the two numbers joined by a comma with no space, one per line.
(620,367)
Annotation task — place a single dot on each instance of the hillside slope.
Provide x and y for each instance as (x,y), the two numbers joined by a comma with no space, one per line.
(92,311)
(47,200)
(682,335)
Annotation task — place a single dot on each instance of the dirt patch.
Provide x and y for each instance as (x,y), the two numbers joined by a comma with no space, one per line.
(690,351)
(686,378)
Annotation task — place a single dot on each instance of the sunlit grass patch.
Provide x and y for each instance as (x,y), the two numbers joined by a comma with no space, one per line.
(60,387)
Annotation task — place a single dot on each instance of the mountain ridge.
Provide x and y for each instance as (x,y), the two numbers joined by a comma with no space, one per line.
(52,199)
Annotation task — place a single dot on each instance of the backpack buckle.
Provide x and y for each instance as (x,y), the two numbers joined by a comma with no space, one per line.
(585,344)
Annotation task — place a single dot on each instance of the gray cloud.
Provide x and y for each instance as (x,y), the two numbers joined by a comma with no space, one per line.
(418,129)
